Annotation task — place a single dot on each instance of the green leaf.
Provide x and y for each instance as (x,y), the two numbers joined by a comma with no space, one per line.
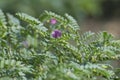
(2,19)
(13,21)
(28,18)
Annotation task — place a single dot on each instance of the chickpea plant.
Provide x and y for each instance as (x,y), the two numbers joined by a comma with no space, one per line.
(51,47)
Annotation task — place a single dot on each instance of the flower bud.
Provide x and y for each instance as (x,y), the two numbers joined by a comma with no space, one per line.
(53,21)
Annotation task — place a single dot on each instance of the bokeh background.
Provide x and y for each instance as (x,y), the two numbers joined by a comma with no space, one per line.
(91,15)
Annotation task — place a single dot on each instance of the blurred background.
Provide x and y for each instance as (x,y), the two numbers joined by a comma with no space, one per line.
(92,15)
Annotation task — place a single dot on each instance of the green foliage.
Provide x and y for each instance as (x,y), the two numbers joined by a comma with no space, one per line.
(2,18)
(29,52)
(27,18)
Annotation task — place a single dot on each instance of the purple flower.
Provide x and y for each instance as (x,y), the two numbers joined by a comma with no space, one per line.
(53,21)
(56,34)
(25,44)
